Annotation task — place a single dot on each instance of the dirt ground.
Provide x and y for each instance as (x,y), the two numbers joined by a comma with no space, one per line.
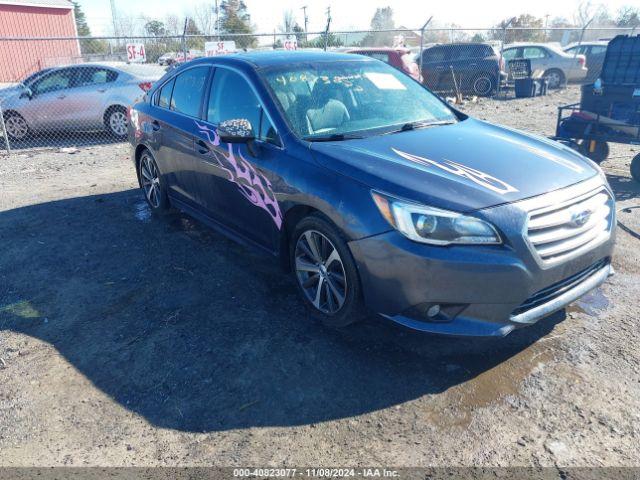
(130,340)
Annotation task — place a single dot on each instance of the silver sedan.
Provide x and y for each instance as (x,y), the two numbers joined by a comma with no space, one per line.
(84,97)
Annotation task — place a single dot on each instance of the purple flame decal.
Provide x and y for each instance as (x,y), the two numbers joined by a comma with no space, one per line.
(253,185)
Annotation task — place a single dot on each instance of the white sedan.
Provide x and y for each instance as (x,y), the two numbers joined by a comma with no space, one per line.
(557,66)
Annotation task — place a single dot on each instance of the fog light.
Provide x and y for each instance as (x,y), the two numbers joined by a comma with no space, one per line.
(433,311)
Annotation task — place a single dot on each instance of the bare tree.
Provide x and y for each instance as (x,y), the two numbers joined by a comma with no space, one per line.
(204,18)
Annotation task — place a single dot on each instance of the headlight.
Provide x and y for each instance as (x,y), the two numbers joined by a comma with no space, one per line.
(432,225)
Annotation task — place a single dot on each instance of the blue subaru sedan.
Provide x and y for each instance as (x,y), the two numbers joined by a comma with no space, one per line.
(375,194)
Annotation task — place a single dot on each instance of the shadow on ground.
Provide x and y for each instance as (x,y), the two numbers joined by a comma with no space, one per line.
(196,333)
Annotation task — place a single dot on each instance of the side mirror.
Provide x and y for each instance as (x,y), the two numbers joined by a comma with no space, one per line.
(27,93)
(237,130)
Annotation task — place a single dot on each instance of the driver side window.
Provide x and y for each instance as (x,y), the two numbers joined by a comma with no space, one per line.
(55,81)
(231,98)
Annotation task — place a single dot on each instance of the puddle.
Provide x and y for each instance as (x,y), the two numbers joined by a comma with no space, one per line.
(489,386)
(142,211)
(591,304)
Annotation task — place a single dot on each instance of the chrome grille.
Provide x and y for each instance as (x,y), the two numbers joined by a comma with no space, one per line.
(559,231)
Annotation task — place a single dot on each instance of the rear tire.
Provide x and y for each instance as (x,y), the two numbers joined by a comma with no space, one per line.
(555,78)
(600,152)
(483,85)
(152,183)
(635,168)
(115,120)
(325,273)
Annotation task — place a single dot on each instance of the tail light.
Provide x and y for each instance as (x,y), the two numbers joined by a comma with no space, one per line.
(145,86)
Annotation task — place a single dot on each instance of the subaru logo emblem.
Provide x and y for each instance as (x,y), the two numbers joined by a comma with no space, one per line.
(578,219)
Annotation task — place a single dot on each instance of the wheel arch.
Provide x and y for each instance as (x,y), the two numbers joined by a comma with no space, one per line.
(111,108)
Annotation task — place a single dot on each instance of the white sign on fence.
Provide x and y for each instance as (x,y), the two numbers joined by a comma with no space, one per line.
(136,53)
(219,48)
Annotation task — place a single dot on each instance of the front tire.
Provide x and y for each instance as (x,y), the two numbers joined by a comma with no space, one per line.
(325,273)
(152,183)
(16,126)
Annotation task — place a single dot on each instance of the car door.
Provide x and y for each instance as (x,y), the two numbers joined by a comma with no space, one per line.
(49,106)
(87,99)
(177,108)
(239,178)
(539,57)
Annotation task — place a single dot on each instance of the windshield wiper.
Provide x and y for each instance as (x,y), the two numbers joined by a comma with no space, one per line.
(423,124)
(334,137)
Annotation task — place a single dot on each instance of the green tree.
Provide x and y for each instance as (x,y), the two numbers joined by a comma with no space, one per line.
(382,20)
(82,26)
(155,28)
(236,19)
(515,32)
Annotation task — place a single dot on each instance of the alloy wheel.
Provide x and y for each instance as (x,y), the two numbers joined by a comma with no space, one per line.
(554,79)
(320,272)
(118,123)
(16,127)
(150,180)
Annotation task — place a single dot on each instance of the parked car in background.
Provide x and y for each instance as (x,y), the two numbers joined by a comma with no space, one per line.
(19,86)
(191,55)
(81,97)
(399,57)
(556,66)
(594,52)
(167,58)
(476,68)
(373,192)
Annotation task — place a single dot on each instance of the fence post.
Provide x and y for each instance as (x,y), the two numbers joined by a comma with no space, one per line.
(502,40)
(4,131)
(424,27)
(585,26)
(184,39)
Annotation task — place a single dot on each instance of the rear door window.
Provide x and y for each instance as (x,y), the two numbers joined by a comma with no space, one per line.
(378,56)
(188,91)
(164,96)
(435,54)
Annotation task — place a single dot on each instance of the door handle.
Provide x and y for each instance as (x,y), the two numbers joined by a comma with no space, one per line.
(61,96)
(203,148)
(102,90)
(155,125)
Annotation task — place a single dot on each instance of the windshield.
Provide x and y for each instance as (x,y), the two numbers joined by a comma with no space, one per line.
(360,97)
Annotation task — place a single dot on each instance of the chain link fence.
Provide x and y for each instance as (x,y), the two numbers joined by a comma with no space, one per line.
(68,92)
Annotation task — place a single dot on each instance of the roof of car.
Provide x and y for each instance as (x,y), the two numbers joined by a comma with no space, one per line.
(592,42)
(269,58)
(378,49)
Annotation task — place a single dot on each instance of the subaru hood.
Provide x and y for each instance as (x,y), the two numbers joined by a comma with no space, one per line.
(464,166)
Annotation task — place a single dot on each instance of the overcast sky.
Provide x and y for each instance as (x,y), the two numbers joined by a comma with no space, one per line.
(346,14)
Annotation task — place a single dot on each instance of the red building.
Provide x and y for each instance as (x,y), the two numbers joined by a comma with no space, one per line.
(35,19)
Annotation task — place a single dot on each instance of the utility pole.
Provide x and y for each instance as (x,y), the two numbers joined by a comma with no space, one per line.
(114,18)
(217,12)
(306,19)
(326,32)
